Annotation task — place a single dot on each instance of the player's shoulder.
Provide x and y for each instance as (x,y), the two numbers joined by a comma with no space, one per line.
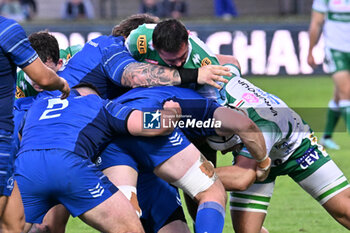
(9,28)
(141,35)
(146,28)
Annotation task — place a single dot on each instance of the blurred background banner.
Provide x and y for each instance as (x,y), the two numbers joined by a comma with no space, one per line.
(262,49)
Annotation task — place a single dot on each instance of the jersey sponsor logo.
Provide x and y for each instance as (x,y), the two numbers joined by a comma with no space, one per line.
(141,44)
(98,161)
(250,98)
(10,183)
(19,93)
(310,156)
(151,120)
(266,97)
(151,61)
(196,58)
(206,61)
(93,43)
(97,191)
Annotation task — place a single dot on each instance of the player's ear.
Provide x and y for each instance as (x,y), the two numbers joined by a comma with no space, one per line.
(59,64)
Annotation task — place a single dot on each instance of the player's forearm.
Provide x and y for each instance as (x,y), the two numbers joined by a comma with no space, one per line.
(315,29)
(255,143)
(236,177)
(143,74)
(43,76)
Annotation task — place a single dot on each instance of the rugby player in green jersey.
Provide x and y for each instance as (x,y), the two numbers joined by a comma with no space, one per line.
(293,149)
(48,50)
(333,19)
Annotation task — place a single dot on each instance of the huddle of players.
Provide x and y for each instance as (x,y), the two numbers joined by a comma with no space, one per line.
(289,142)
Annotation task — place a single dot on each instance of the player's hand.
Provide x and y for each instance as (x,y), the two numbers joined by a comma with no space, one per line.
(65,89)
(211,74)
(174,107)
(263,169)
(311,60)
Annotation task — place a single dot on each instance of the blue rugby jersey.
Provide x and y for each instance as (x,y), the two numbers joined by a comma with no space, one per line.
(193,105)
(15,50)
(79,124)
(101,62)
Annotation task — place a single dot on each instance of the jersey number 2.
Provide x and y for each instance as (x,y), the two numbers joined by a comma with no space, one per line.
(59,105)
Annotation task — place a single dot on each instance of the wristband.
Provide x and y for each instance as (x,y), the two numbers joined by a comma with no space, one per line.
(188,75)
(263,159)
(265,168)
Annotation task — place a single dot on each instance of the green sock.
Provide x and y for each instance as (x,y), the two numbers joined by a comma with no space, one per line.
(346,114)
(331,121)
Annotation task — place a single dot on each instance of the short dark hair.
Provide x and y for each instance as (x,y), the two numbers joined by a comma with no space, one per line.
(169,35)
(87,85)
(131,23)
(45,45)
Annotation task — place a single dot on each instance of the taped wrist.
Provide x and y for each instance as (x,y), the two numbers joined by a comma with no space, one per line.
(188,75)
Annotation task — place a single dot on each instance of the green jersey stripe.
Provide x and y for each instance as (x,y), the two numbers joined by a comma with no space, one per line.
(339,16)
(332,190)
(249,205)
(252,197)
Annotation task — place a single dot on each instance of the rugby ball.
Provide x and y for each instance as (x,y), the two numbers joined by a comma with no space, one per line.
(223,142)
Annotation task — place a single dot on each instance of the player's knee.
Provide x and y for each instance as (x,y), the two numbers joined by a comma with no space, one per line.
(199,178)
(130,193)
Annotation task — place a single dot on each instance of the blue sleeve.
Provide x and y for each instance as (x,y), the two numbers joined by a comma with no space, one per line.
(15,43)
(115,59)
(117,116)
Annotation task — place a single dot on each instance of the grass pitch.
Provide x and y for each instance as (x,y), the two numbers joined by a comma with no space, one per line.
(291,209)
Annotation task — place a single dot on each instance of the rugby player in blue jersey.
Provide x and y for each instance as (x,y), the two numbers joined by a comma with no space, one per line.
(53,165)
(16,52)
(162,154)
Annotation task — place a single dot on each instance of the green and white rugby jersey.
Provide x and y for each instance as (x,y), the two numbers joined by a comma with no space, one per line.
(283,129)
(336,29)
(139,44)
(68,53)
(24,87)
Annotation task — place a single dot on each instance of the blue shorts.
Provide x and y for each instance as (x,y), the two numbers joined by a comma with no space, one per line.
(158,201)
(48,177)
(146,152)
(7,157)
(115,155)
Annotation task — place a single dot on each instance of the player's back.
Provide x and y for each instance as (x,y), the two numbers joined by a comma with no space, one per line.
(154,97)
(77,124)
(92,65)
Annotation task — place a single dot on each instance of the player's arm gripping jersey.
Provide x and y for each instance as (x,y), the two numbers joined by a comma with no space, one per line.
(282,128)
